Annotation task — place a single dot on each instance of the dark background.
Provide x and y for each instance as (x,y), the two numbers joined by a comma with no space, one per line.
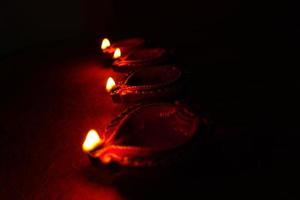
(239,58)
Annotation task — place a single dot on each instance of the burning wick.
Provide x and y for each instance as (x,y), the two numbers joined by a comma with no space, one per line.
(105,44)
(91,141)
(110,84)
(117,53)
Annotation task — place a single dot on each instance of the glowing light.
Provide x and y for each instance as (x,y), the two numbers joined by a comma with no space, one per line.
(92,140)
(110,84)
(117,53)
(105,44)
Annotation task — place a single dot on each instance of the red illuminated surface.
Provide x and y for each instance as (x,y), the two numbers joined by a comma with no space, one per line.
(53,101)
(45,160)
(45,123)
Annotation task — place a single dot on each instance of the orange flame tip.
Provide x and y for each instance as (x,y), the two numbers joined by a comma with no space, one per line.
(91,141)
(117,53)
(110,84)
(105,44)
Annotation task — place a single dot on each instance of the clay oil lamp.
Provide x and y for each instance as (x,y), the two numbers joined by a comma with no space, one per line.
(152,83)
(140,58)
(125,46)
(145,135)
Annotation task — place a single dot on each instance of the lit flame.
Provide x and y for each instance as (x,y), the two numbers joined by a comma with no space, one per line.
(92,140)
(110,84)
(105,44)
(117,53)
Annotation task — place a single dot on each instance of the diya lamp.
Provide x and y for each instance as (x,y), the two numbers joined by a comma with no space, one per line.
(139,58)
(113,50)
(152,83)
(145,135)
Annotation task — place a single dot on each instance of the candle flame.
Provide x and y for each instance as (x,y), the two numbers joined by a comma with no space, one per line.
(105,44)
(117,53)
(91,141)
(110,84)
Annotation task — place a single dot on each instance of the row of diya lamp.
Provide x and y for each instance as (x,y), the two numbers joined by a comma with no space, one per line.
(152,131)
